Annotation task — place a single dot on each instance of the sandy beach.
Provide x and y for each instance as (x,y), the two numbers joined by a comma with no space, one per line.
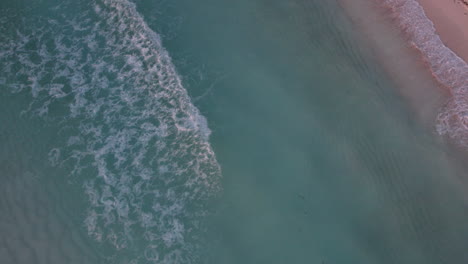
(450,18)
(389,46)
(438,31)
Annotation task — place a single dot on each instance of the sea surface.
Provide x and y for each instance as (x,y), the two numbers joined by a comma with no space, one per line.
(214,131)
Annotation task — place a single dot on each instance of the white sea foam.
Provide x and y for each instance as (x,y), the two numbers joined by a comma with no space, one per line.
(134,138)
(449,69)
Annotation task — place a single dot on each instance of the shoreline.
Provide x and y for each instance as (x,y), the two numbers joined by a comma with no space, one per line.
(449,69)
(420,34)
(402,63)
(435,87)
(450,18)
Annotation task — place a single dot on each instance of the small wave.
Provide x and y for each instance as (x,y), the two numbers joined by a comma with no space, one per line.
(448,69)
(134,138)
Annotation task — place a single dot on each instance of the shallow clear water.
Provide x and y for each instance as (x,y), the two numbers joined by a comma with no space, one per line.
(313,157)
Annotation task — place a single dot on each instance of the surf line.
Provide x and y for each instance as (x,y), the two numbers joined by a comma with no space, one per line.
(448,69)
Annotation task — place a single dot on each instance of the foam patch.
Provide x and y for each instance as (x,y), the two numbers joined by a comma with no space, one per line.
(133,137)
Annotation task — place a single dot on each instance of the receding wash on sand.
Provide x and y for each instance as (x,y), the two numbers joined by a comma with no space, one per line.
(446,57)
(437,32)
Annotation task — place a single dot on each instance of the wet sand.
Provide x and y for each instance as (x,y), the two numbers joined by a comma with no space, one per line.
(450,18)
(388,44)
(436,34)
(426,75)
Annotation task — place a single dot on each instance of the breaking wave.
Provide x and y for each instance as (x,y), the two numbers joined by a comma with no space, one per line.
(450,70)
(132,136)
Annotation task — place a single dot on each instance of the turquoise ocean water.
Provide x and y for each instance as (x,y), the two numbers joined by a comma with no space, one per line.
(213,132)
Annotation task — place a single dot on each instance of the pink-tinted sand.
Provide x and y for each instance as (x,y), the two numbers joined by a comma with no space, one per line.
(387,43)
(437,32)
(450,18)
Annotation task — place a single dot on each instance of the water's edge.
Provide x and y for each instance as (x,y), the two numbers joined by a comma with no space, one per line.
(447,68)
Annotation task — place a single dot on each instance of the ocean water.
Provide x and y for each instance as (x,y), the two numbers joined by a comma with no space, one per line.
(207,131)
